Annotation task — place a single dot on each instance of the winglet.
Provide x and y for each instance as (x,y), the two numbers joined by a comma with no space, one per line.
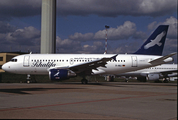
(114,57)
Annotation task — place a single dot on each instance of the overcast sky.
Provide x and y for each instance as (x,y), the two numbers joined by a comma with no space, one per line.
(80,26)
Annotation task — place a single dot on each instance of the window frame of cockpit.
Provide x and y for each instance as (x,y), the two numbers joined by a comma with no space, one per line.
(13,60)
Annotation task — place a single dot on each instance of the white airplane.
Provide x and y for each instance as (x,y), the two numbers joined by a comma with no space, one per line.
(64,66)
(153,73)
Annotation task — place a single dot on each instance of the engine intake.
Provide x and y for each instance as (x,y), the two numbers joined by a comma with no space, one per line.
(153,77)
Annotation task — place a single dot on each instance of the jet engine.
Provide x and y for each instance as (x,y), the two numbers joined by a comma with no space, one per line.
(153,77)
(60,74)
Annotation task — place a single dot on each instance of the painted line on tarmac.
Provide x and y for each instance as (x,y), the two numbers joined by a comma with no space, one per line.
(82,102)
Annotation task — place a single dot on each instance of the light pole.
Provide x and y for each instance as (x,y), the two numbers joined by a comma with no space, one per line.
(106,39)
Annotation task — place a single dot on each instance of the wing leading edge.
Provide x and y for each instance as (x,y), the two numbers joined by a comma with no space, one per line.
(86,68)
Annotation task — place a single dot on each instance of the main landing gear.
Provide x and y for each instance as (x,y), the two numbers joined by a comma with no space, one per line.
(84,81)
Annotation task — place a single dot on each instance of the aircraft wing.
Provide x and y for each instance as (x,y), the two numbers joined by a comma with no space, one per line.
(169,72)
(164,73)
(86,68)
(161,59)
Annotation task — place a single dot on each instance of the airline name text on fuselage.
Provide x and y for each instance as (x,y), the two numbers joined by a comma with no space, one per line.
(40,64)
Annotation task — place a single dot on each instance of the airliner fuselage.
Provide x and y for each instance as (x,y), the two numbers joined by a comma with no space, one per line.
(41,63)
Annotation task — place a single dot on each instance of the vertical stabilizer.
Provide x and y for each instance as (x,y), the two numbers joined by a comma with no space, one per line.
(155,43)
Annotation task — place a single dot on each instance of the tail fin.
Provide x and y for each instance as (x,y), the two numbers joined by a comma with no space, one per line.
(155,43)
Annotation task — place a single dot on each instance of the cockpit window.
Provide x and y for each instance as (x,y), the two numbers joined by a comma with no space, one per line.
(13,60)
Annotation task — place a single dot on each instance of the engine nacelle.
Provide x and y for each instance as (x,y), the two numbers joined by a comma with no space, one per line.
(60,74)
(153,77)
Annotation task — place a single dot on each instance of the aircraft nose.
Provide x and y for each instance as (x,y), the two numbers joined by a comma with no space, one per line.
(5,67)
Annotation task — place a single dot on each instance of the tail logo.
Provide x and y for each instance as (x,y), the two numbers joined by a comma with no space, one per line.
(156,41)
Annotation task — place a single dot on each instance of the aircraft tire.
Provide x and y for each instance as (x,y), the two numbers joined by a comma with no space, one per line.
(84,81)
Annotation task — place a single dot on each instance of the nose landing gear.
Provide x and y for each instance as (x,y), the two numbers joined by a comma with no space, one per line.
(28,78)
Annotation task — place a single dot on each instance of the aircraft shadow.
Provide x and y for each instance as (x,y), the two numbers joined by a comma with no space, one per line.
(24,90)
(93,83)
(120,84)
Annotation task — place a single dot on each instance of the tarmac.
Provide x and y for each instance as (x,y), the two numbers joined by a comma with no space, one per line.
(106,100)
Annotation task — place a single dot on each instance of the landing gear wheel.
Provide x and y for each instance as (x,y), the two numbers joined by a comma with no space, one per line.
(84,81)
(28,78)
(166,81)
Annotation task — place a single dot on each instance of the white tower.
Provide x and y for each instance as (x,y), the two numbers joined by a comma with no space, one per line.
(48,26)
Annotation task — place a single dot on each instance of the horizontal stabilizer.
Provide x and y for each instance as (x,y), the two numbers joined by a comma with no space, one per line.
(161,59)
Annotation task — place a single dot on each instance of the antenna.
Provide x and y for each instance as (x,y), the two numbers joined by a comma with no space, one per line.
(106,40)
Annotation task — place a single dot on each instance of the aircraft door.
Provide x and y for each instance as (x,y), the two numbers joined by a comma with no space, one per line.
(71,61)
(134,61)
(26,61)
